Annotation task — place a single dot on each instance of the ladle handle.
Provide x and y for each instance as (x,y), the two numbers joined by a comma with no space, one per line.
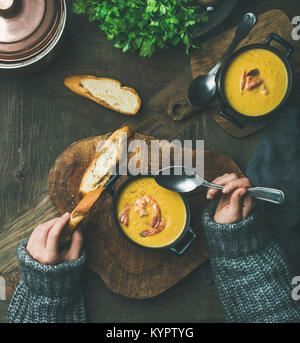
(246,25)
(275,196)
(267,194)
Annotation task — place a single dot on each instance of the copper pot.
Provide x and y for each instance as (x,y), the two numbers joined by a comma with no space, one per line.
(30,34)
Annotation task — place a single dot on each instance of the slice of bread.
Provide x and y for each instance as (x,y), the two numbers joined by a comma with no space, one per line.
(99,170)
(106,92)
(83,208)
(96,176)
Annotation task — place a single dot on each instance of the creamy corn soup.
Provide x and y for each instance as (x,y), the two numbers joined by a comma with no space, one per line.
(264,88)
(149,214)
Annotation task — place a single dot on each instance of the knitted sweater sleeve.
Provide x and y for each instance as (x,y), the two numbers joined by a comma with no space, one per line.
(251,270)
(48,294)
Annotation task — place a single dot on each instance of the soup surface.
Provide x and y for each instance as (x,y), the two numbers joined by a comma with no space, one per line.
(270,75)
(141,215)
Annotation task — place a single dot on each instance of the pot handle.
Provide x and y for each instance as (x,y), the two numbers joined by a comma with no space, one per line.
(191,239)
(110,183)
(283,42)
(241,122)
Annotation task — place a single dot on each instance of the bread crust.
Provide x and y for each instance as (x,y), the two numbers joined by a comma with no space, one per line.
(83,208)
(81,211)
(110,140)
(74,84)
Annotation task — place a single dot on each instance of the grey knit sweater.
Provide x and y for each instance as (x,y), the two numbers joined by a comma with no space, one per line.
(48,294)
(251,272)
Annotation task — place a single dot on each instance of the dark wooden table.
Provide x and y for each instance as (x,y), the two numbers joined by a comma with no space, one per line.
(39,118)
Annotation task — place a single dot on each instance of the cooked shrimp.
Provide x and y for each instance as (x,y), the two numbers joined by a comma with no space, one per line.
(124,216)
(141,206)
(264,90)
(157,216)
(158,224)
(154,230)
(243,79)
(252,83)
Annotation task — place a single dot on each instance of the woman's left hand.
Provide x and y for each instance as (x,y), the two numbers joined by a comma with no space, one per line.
(235,204)
(43,244)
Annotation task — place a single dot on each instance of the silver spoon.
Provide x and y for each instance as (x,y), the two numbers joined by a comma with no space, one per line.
(180,179)
(203,88)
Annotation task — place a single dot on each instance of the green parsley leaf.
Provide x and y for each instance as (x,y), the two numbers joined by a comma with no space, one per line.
(143,25)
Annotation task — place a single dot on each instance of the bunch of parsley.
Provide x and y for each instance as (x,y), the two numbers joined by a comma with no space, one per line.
(144,24)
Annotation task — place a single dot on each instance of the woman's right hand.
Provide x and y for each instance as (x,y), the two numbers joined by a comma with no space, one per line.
(235,204)
(43,244)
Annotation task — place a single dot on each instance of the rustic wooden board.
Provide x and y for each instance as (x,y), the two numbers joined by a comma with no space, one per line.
(202,62)
(126,269)
(39,118)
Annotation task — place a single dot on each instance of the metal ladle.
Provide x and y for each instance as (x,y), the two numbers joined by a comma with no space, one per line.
(181,179)
(203,88)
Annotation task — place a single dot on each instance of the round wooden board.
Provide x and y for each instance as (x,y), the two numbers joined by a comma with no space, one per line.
(127,269)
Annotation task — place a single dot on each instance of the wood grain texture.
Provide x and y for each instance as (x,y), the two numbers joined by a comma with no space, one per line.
(127,269)
(272,21)
(14,232)
(39,118)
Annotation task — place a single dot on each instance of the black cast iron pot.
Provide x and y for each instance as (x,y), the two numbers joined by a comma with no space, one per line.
(240,119)
(180,245)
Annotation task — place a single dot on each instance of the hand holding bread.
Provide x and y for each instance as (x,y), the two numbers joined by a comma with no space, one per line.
(44,242)
(97,175)
(83,208)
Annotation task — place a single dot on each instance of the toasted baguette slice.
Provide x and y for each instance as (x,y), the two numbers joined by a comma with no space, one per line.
(106,92)
(81,211)
(98,172)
